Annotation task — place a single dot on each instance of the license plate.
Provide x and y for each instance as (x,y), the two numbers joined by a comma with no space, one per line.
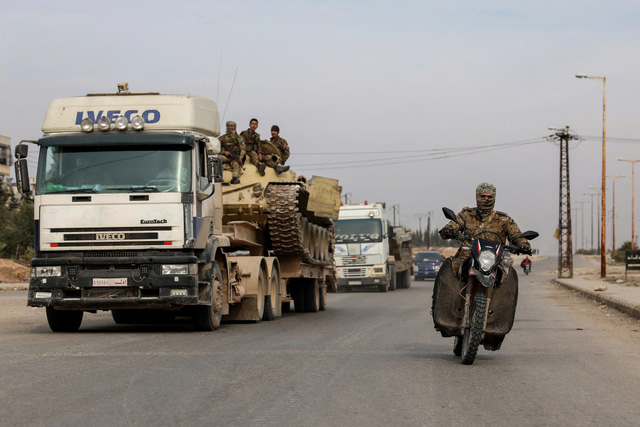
(354,282)
(110,282)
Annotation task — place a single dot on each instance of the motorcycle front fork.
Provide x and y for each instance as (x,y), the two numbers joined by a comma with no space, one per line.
(471,289)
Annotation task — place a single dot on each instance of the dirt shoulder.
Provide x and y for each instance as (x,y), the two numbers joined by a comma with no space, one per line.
(12,272)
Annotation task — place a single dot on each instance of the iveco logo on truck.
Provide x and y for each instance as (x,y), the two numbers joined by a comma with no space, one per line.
(149,116)
(110,236)
(153,221)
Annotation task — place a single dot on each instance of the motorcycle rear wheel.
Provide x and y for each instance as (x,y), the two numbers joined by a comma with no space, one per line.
(473,334)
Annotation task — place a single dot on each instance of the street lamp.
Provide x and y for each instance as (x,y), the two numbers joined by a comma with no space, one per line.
(613,215)
(603,228)
(591,209)
(633,203)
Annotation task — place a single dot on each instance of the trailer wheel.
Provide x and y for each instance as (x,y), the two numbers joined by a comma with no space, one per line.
(311,296)
(272,300)
(64,320)
(297,294)
(209,317)
(406,279)
(323,298)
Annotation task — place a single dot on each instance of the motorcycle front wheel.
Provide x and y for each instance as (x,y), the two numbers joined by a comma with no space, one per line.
(473,333)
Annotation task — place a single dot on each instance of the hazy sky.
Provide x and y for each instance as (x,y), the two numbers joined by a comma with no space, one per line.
(380,79)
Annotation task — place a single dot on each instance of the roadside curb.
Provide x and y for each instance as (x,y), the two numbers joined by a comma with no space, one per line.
(625,306)
(5,287)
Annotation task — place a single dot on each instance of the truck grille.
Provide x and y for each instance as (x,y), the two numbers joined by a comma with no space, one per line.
(357,260)
(111,236)
(354,272)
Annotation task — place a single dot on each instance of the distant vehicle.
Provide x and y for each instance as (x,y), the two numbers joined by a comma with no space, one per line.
(426,265)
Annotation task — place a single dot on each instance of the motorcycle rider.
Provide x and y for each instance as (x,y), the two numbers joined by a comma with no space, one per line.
(483,218)
(526,262)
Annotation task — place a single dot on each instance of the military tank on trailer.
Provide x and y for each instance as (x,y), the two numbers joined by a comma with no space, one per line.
(293,218)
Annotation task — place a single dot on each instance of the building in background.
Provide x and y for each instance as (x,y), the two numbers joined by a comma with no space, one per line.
(5,157)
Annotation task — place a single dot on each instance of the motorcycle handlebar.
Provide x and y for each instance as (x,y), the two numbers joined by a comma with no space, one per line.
(516,250)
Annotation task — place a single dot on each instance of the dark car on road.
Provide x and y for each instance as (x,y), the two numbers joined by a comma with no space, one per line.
(426,265)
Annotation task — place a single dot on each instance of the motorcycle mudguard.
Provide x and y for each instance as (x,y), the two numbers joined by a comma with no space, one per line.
(447,306)
(502,311)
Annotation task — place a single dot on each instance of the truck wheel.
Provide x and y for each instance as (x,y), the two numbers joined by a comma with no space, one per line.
(311,296)
(323,298)
(272,300)
(297,294)
(64,320)
(406,279)
(208,317)
(391,277)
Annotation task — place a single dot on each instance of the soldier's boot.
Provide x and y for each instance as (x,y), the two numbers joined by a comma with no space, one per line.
(261,167)
(235,180)
(279,169)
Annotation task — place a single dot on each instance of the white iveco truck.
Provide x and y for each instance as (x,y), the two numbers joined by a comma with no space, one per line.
(129,217)
(369,252)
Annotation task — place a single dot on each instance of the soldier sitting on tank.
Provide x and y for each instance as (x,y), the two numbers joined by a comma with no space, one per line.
(483,218)
(253,146)
(232,152)
(281,144)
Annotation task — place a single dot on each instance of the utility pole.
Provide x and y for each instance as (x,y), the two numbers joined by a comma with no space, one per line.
(565,245)
(599,190)
(420,216)
(429,230)
(395,208)
(613,215)
(582,223)
(591,209)
(633,201)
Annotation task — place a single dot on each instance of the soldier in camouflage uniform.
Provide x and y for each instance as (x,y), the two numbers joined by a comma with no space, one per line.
(282,145)
(232,142)
(252,145)
(483,218)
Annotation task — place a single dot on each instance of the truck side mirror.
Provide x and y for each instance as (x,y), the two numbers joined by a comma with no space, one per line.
(22,151)
(214,169)
(22,176)
(22,169)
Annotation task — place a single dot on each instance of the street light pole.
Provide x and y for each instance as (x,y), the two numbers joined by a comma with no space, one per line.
(613,215)
(603,227)
(599,190)
(591,209)
(633,202)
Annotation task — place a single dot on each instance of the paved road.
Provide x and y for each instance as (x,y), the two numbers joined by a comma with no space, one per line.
(371,359)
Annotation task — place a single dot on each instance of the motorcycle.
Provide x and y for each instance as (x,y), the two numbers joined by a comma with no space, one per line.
(526,268)
(479,308)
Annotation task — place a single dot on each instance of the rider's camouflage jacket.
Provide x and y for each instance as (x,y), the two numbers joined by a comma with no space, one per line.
(498,222)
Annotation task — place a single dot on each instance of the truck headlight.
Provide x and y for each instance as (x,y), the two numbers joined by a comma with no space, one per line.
(487,259)
(104,123)
(179,269)
(86,125)
(48,271)
(122,123)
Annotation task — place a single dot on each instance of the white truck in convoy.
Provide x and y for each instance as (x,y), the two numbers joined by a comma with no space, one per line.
(370,252)
(134,214)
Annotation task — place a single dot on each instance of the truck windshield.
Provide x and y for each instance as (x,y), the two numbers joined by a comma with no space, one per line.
(113,169)
(358,230)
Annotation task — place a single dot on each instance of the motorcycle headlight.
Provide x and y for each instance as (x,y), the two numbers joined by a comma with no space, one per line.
(486,259)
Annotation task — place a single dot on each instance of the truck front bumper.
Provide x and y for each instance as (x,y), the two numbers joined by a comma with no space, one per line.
(117,283)
(362,281)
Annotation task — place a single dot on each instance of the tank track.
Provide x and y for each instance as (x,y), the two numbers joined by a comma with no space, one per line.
(287,222)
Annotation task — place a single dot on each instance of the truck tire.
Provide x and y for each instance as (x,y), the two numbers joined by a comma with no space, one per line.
(323,298)
(272,300)
(406,279)
(208,317)
(391,277)
(64,320)
(311,296)
(297,295)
